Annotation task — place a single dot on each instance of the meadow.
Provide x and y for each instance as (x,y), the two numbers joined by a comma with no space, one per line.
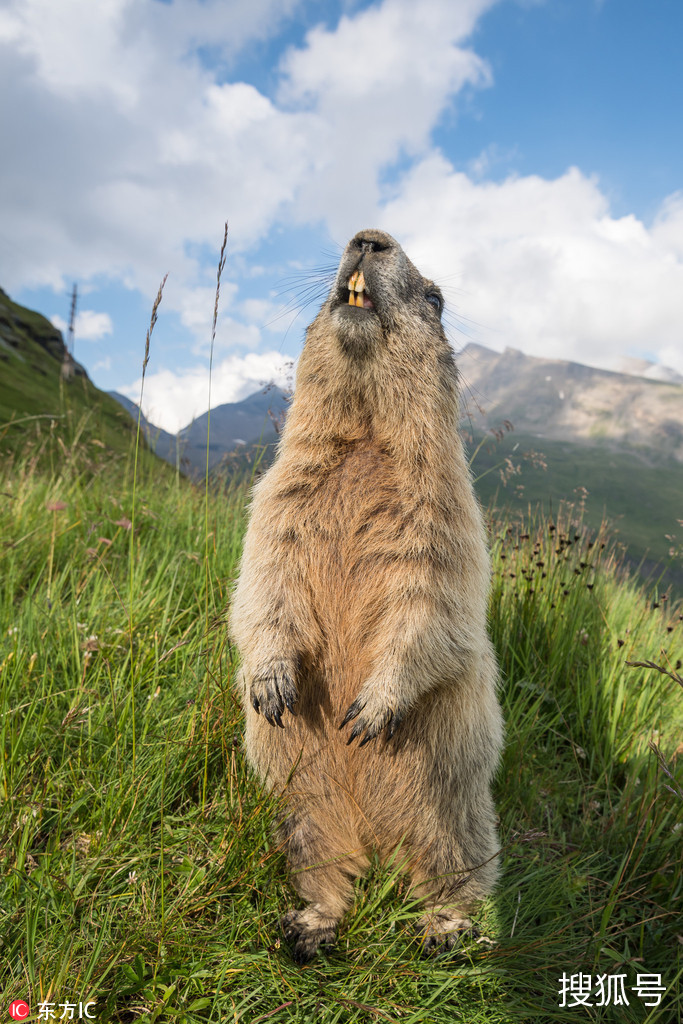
(137,868)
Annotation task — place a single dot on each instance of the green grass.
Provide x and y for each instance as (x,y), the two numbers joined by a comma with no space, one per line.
(639,499)
(152,885)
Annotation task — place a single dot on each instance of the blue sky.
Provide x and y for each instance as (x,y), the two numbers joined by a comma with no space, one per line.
(526,153)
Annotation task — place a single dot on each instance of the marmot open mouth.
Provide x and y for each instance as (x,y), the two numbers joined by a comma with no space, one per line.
(357,295)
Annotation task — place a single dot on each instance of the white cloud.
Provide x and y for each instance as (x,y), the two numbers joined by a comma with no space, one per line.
(150,149)
(384,50)
(117,46)
(379,83)
(268,315)
(667,231)
(195,307)
(172,400)
(136,153)
(89,325)
(542,265)
(490,157)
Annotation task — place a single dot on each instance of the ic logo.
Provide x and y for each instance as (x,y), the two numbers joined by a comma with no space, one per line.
(19,1009)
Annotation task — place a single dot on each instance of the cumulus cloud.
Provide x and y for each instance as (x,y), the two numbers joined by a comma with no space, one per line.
(379,81)
(542,265)
(267,314)
(89,325)
(172,400)
(138,150)
(116,46)
(667,230)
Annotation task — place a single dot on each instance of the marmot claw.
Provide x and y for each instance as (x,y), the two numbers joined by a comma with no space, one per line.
(387,719)
(273,690)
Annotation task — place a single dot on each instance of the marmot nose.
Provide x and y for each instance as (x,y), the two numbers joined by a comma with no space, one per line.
(372,240)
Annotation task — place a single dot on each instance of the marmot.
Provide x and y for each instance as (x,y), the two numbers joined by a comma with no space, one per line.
(360,611)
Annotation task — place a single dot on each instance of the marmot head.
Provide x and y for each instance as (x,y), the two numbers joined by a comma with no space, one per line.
(378,292)
(376,358)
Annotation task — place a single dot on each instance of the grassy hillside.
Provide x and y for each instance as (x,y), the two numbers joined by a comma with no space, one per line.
(136,864)
(35,400)
(640,502)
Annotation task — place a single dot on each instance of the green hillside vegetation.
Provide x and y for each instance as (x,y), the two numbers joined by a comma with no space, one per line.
(640,501)
(137,867)
(35,400)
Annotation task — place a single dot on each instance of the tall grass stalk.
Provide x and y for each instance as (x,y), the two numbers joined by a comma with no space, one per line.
(207,560)
(131,561)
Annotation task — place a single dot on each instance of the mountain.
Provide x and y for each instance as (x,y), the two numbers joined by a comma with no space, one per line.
(234,428)
(646,368)
(552,399)
(160,441)
(545,431)
(235,425)
(42,389)
(544,399)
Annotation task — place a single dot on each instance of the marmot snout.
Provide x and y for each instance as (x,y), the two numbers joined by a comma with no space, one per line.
(360,611)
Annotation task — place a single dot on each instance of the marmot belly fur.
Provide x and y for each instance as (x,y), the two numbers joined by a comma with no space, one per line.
(368,679)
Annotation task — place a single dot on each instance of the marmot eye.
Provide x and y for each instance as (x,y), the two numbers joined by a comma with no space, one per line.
(434,299)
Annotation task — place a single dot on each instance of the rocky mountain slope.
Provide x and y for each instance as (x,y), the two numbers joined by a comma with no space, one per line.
(552,431)
(557,400)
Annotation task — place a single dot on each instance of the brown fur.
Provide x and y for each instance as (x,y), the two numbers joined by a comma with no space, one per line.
(361,604)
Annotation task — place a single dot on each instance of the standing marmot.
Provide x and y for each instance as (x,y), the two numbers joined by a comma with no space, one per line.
(361,607)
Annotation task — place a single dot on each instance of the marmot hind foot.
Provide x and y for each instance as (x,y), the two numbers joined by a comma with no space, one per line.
(305,936)
(444,931)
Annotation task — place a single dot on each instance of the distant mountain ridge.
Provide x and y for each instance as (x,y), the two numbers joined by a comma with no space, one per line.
(233,425)
(547,399)
(565,401)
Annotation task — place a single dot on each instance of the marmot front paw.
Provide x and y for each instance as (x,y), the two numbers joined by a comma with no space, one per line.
(371,721)
(273,689)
